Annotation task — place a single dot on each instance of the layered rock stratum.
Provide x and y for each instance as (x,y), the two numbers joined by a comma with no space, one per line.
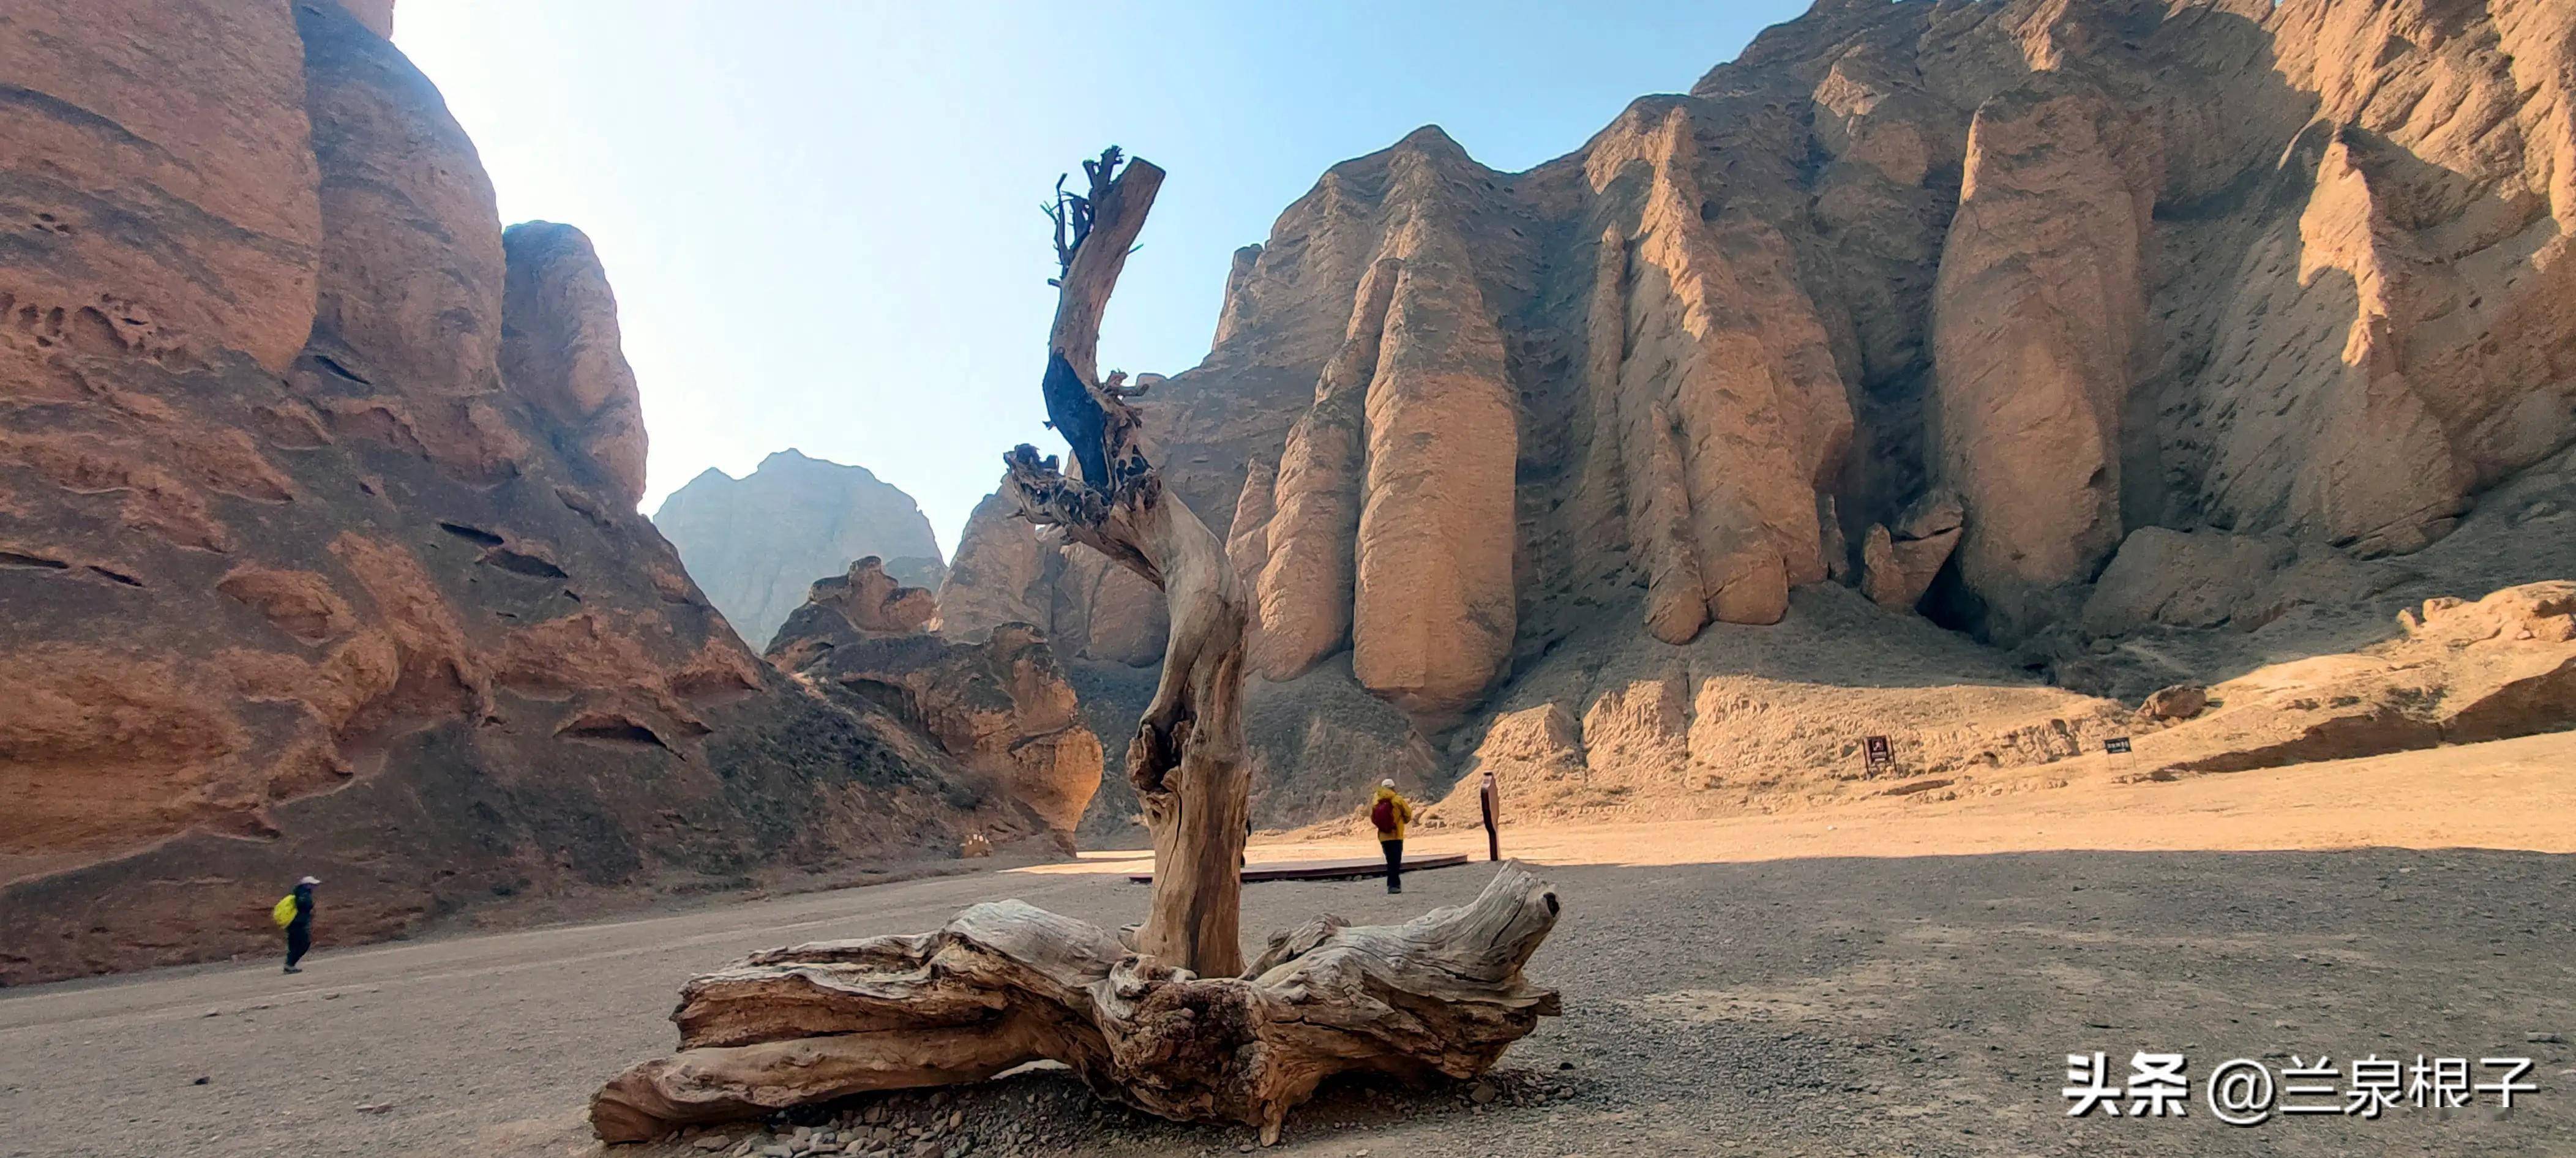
(2136,342)
(318,542)
(1000,707)
(755,543)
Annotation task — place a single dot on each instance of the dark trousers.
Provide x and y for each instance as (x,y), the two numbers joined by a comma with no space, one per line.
(1394,865)
(1493,838)
(299,941)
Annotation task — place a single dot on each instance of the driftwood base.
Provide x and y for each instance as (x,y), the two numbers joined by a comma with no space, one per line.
(1005,983)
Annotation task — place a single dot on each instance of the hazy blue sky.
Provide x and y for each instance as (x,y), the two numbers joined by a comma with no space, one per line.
(821,217)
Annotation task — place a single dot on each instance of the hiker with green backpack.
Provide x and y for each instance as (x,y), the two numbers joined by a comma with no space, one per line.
(294,913)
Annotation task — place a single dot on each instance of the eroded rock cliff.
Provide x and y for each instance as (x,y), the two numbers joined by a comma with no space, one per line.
(1001,707)
(561,350)
(318,550)
(1945,301)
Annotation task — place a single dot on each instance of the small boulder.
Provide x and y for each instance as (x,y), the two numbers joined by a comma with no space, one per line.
(872,601)
(2179,702)
(1898,564)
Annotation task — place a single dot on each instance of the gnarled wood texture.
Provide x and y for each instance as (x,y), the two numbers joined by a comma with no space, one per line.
(1187,759)
(1005,983)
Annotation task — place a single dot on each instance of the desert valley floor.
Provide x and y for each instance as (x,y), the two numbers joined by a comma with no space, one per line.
(1885,979)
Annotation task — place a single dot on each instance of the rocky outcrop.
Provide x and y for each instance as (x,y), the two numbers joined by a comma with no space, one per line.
(2026,269)
(1249,547)
(1719,410)
(1010,572)
(377,15)
(872,601)
(755,542)
(298,580)
(1432,599)
(1680,335)
(2395,336)
(998,575)
(560,349)
(2169,578)
(175,217)
(412,266)
(2036,321)
(1899,564)
(1229,312)
(1001,708)
(2179,702)
(1106,612)
(1308,544)
(2110,276)
(2462,672)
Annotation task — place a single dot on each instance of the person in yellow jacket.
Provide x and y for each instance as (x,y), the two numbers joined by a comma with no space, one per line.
(1390,812)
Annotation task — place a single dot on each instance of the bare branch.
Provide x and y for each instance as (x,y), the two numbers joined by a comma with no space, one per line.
(1099,427)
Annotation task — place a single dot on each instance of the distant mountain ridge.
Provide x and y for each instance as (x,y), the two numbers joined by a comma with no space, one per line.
(755,543)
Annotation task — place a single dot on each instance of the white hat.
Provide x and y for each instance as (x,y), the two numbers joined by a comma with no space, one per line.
(1387,783)
(310,881)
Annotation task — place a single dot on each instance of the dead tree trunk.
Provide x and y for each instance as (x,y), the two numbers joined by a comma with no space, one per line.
(1187,757)
(1178,1027)
(1005,984)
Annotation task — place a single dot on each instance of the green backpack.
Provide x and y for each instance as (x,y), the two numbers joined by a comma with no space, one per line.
(283,912)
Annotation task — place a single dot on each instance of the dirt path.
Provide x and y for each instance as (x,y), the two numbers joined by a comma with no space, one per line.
(1890,978)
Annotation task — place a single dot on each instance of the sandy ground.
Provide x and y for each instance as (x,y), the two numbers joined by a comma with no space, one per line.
(1884,978)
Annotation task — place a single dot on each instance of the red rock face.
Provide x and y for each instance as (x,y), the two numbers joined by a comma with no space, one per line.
(176,218)
(561,350)
(298,590)
(377,15)
(412,272)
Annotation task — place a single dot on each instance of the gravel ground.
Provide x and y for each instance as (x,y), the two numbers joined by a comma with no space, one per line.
(1823,1005)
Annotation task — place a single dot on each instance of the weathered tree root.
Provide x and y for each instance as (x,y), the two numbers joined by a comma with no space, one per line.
(1005,983)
